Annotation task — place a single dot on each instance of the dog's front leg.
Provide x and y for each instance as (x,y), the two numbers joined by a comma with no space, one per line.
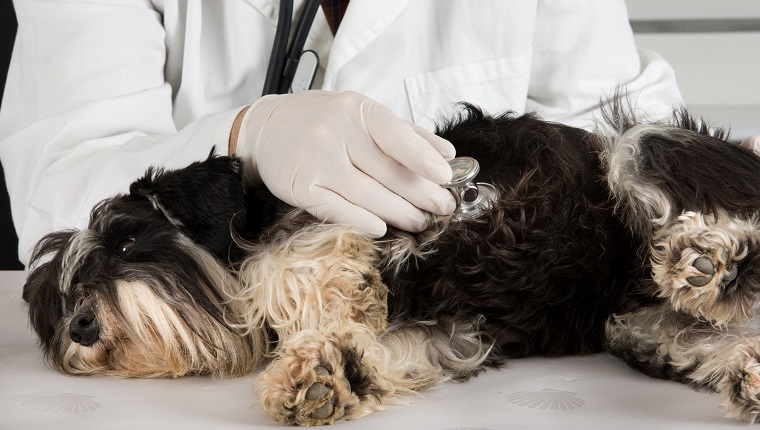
(349,371)
(319,290)
(673,345)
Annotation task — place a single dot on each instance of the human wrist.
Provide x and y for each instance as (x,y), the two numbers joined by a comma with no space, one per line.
(252,122)
(235,131)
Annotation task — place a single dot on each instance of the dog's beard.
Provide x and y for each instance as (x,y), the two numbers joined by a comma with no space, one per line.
(154,320)
(147,337)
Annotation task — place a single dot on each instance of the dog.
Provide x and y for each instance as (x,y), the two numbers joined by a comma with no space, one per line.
(640,238)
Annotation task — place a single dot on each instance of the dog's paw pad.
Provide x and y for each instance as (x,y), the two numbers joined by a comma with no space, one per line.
(322,372)
(698,281)
(704,265)
(731,270)
(730,275)
(708,267)
(318,394)
(320,404)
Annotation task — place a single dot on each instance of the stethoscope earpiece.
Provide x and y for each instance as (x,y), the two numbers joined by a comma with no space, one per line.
(473,198)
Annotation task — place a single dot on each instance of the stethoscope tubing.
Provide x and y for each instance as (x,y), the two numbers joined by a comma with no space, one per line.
(283,60)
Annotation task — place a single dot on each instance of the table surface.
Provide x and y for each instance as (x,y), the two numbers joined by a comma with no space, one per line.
(590,392)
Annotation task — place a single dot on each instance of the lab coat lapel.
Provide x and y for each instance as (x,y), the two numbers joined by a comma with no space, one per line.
(364,21)
(268,8)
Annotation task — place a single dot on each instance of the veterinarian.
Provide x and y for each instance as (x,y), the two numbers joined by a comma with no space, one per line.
(100,90)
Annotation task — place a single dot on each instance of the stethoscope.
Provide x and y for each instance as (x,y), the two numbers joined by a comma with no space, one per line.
(291,69)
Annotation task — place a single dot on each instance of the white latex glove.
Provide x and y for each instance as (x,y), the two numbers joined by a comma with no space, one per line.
(753,143)
(346,159)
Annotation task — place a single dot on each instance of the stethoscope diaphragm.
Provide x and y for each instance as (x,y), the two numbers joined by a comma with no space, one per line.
(473,198)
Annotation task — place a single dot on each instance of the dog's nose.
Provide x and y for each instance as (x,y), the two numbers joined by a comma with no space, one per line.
(84,329)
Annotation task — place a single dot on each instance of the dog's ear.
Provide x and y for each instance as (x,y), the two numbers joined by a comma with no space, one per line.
(206,200)
(41,290)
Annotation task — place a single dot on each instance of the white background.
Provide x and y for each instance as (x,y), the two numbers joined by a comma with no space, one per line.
(718,72)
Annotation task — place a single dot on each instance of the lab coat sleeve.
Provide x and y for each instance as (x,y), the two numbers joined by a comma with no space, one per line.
(583,51)
(87,110)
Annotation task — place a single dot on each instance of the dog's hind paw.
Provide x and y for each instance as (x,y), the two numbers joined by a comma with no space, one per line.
(743,396)
(695,263)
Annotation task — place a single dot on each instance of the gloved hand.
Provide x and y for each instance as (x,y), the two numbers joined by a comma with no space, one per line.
(753,143)
(346,159)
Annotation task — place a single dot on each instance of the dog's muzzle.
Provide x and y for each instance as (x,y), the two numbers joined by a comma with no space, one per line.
(473,198)
(84,329)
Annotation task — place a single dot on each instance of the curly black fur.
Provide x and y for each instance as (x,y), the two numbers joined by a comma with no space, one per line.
(547,265)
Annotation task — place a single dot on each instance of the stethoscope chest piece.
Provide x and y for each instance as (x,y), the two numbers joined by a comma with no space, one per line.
(473,198)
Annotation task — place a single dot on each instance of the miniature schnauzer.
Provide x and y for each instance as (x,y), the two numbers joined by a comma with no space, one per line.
(640,239)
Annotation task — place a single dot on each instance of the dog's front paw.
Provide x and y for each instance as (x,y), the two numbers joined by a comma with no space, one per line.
(319,404)
(695,263)
(297,396)
(307,386)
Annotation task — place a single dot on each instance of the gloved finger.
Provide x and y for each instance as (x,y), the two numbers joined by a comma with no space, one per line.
(358,188)
(415,189)
(331,207)
(443,146)
(753,143)
(398,139)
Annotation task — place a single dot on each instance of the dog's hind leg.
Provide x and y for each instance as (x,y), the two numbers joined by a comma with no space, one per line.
(708,266)
(656,171)
(672,345)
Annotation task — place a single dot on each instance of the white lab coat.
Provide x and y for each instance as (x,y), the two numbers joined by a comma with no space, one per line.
(100,89)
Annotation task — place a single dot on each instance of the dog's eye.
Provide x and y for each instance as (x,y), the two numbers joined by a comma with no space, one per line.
(125,246)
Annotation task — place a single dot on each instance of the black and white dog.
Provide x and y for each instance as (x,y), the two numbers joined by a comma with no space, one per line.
(642,240)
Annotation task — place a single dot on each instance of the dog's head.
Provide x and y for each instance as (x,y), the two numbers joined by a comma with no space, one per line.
(144,289)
